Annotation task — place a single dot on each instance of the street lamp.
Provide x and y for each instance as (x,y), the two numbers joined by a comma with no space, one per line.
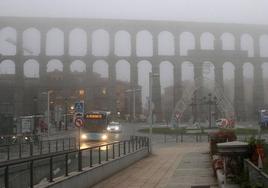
(151,76)
(48,110)
(134,101)
(210,102)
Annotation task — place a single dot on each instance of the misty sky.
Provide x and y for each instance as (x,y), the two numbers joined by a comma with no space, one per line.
(229,11)
(233,11)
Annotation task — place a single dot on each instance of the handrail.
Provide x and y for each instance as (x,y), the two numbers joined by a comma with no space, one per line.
(137,143)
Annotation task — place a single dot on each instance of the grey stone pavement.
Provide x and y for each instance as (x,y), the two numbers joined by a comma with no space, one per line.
(171,165)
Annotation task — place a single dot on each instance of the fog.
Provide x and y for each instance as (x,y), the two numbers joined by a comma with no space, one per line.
(220,11)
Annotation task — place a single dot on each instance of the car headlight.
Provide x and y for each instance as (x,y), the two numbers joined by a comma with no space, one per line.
(13,137)
(25,138)
(116,128)
(104,137)
(83,136)
(108,128)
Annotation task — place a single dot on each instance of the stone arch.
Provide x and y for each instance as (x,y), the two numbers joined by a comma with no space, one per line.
(123,70)
(100,43)
(264,46)
(228,41)
(31,69)
(122,44)
(55,42)
(187,71)
(228,79)
(78,66)
(101,67)
(7,67)
(78,42)
(248,76)
(265,81)
(31,42)
(54,65)
(166,75)
(144,68)
(144,44)
(8,40)
(247,44)
(208,74)
(187,42)
(207,41)
(166,44)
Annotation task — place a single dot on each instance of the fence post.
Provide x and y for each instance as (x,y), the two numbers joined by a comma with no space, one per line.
(113,150)
(31,149)
(66,164)
(56,145)
(124,147)
(99,155)
(90,157)
(19,150)
(181,137)
(51,169)
(119,148)
(128,146)
(176,137)
(6,177)
(31,174)
(107,152)
(79,160)
(8,152)
(49,146)
(41,147)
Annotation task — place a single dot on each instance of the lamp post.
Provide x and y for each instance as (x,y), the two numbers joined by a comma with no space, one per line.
(134,101)
(34,115)
(48,110)
(210,102)
(151,76)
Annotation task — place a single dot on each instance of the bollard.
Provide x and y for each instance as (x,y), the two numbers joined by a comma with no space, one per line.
(181,137)
(165,138)
(176,137)
(128,146)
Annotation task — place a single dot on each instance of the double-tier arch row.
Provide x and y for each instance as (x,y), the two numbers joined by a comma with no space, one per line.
(79,45)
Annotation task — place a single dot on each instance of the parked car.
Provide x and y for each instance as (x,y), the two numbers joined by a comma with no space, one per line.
(114,127)
(225,123)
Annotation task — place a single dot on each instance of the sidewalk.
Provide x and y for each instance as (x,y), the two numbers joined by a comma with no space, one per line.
(170,166)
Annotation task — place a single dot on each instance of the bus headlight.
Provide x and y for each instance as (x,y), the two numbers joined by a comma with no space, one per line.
(83,136)
(104,137)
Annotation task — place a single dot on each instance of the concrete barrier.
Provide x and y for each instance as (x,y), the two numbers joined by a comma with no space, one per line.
(91,176)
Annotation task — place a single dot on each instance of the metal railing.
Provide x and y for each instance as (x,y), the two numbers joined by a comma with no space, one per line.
(87,157)
(256,176)
(23,150)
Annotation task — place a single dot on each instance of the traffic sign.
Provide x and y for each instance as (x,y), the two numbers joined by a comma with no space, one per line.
(79,107)
(178,115)
(79,122)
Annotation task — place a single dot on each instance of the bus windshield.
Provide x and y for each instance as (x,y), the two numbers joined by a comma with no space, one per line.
(96,121)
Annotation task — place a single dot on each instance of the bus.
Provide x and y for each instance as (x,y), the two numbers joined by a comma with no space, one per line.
(95,126)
